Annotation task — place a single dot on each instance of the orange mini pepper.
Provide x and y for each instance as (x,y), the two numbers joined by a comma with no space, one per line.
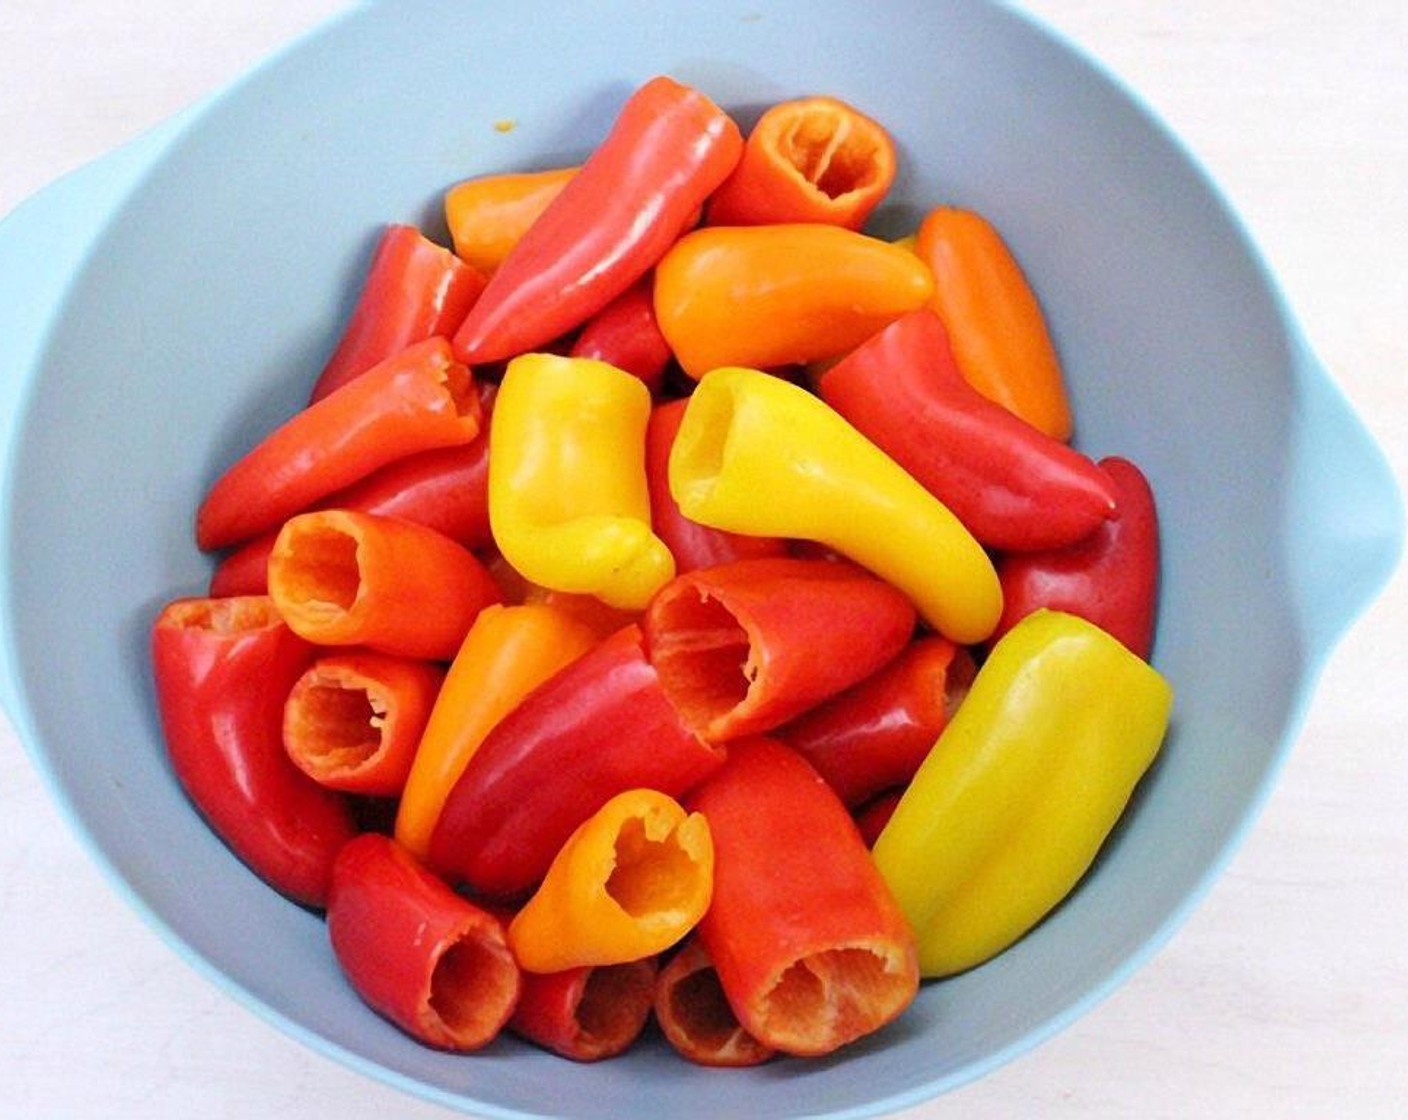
(630,882)
(508,652)
(339,577)
(776,295)
(418,399)
(811,159)
(998,331)
(353,719)
(488,215)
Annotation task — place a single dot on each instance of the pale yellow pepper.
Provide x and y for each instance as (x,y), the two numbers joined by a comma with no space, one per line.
(1018,795)
(568,503)
(757,454)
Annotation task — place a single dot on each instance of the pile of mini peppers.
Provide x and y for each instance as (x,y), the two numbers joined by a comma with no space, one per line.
(673,603)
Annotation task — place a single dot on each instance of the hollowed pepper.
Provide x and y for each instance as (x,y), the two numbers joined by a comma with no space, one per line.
(775,295)
(1012,485)
(631,881)
(568,502)
(695,1017)
(756,454)
(811,159)
(1022,788)
(666,152)
(587,1013)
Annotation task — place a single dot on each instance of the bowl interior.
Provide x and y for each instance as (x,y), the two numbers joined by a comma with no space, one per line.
(212,297)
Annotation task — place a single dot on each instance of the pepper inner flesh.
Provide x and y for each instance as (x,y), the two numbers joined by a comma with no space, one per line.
(835,159)
(699,1007)
(469,987)
(341,725)
(706,666)
(841,992)
(614,1000)
(324,572)
(651,877)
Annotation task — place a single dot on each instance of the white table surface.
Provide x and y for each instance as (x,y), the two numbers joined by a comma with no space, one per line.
(1285,995)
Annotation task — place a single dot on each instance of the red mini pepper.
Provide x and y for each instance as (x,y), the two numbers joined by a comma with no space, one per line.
(598,727)
(810,946)
(414,290)
(222,668)
(876,733)
(1012,485)
(693,545)
(695,1017)
(1110,578)
(625,333)
(419,399)
(744,647)
(587,1013)
(667,151)
(417,953)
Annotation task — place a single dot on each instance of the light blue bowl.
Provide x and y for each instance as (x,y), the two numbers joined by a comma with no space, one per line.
(163,307)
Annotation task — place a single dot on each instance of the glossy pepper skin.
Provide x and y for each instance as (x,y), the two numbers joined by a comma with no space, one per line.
(488,215)
(994,318)
(743,647)
(568,500)
(414,290)
(342,578)
(222,668)
(598,727)
(1012,485)
(632,880)
(691,544)
(874,735)
(666,152)
(417,953)
(755,454)
(625,334)
(1022,788)
(1110,578)
(810,159)
(777,295)
(419,399)
(508,652)
(808,943)
(588,1013)
(695,1017)
(353,719)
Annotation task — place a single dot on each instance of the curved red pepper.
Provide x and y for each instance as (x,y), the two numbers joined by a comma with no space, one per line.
(693,545)
(808,942)
(414,289)
(876,733)
(419,399)
(668,149)
(625,333)
(744,647)
(222,670)
(587,1013)
(1012,485)
(600,726)
(695,1017)
(417,953)
(1110,578)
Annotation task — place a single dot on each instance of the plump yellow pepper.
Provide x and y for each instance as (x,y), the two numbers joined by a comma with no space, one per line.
(631,881)
(756,454)
(568,504)
(1022,788)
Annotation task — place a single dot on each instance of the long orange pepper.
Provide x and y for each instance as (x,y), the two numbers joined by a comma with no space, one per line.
(353,719)
(508,652)
(811,159)
(775,295)
(994,320)
(488,215)
(339,577)
(632,880)
(419,399)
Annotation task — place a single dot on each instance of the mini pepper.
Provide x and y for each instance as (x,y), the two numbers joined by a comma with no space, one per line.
(568,501)
(756,454)
(1024,784)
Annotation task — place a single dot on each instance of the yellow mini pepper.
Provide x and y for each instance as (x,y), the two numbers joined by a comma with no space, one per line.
(568,502)
(757,454)
(631,881)
(1023,786)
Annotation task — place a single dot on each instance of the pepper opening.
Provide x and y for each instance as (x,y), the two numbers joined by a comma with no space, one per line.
(706,663)
(835,159)
(338,724)
(616,1000)
(471,988)
(701,1011)
(322,569)
(222,615)
(828,998)
(652,878)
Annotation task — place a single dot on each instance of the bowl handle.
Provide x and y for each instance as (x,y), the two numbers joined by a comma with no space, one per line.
(1344,512)
(43,243)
